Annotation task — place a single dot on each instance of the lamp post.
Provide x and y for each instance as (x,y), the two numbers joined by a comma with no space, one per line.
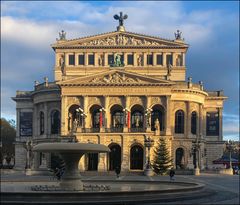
(196,144)
(148,142)
(148,115)
(229,147)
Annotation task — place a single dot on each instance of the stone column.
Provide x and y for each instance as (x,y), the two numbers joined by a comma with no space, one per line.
(46,125)
(95,59)
(76,59)
(64,115)
(18,110)
(183,59)
(127,105)
(200,121)
(85,59)
(204,122)
(102,163)
(125,166)
(125,59)
(220,136)
(105,63)
(144,59)
(188,120)
(66,60)
(36,122)
(107,116)
(154,59)
(148,103)
(85,108)
(56,59)
(134,59)
(168,115)
(164,59)
(173,59)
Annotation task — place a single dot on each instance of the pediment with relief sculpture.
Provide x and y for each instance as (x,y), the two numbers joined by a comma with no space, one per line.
(119,39)
(114,77)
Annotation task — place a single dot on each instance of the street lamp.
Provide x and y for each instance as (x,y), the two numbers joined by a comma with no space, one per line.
(196,144)
(229,147)
(148,114)
(148,142)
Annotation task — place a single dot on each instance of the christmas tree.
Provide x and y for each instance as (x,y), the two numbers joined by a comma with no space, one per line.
(162,161)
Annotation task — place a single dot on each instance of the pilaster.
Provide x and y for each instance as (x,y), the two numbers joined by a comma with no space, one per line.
(105,59)
(144,59)
(85,108)
(183,59)
(134,59)
(220,136)
(168,116)
(173,59)
(125,59)
(107,118)
(200,121)
(164,59)
(188,120)
(64,116)
(85,59)
(76,59)
(154,59)
(66,59)
(45,118)
(95,59)
(148,103)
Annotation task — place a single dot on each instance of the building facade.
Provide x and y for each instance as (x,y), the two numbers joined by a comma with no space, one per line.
(118,89)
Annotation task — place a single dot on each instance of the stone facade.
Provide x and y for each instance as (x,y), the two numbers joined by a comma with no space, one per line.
(100,101)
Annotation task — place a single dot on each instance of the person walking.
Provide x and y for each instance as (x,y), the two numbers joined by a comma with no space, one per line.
(117,171)
(171,174)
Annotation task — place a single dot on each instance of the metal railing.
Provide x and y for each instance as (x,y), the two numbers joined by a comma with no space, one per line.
(114,129)
(137,129)
(91,130)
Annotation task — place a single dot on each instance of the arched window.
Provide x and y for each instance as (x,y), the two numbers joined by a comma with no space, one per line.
(136,157)
(137,119)
(114,156)
(41,123)
(55,122)
(96,119)
(118,119)
(179,158)
(179,122)
(194,123)
(157,113)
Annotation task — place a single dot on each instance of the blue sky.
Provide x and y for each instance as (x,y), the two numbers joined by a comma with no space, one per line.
(211,29)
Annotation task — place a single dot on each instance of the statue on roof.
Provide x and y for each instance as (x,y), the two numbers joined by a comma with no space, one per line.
(178,35)
(120,18)
(62,35)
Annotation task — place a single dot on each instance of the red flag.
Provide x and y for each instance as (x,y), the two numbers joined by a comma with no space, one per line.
(128,120)
(100,120)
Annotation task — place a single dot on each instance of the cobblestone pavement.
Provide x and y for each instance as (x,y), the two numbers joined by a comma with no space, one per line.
(226,187)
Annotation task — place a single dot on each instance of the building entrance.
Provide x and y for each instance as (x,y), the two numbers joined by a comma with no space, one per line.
(92,161)
(136,157)
(114,157)
(179,158)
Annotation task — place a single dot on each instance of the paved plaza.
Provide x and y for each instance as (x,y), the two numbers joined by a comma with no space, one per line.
(220,189)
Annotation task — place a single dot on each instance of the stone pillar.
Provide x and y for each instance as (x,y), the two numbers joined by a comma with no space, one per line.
(173,59)
(144,59)
(183,59)
(86,111)
(107,113)
(95,59)
(220,136)
(200,121)
(154,59)
(36,122)
(64,115)
(85,59)
(188,120)
(134,59)
(66,59)
(164,59)
(168,115)
(76,59)
(125,166)
(46,125)
(204,122)
(125,59)
(148,104)
(17,122)
(127,105)
(56,59)
(105,61)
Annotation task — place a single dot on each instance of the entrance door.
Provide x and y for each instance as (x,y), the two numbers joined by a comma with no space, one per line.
(92,161)
(114,157)
(179,158)
(136,157)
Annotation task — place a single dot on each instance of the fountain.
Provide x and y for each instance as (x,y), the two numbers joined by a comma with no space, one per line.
(71,154)
(104,190)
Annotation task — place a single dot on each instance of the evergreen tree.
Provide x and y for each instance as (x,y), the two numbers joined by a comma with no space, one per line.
(162,161)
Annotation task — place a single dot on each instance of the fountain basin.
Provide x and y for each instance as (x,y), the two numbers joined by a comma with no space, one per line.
(71,153)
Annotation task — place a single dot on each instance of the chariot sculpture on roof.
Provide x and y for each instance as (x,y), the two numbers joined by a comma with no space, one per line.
(120,18)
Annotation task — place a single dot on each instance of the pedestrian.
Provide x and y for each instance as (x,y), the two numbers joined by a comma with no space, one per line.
(117,170)
(171,174)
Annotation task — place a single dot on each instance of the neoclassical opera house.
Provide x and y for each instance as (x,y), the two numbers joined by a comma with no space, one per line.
(118,89)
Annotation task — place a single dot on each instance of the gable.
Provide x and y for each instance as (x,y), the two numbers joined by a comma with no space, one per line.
(114,77)
(118,39)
